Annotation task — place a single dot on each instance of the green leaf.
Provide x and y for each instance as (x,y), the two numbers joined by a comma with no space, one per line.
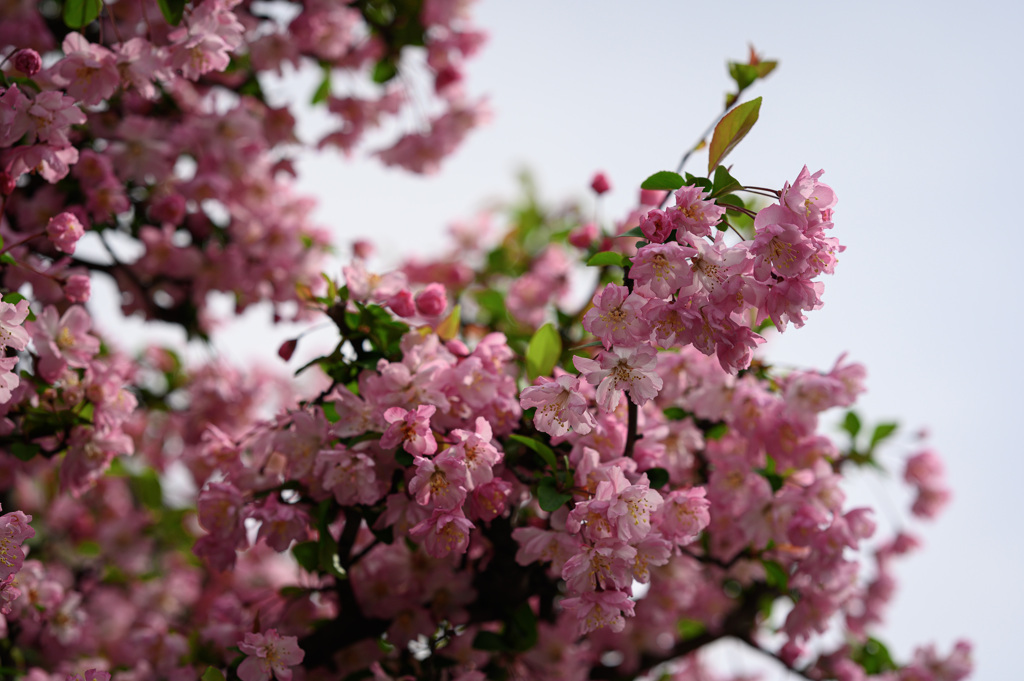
(883,431)
(606,258)
(733,127)
(521,628)
(323,91)
(543,351)
(743,74)
(675,413)
(173,11)
(24,450)
(384,71)
(657,477)
(775,575)
(330,412)
(548,496)
(702,182)
(765,67)
(493,302)
(690,628)
(7,259)
(307,555)
(211,673)
(89,548)
(636,231)
(851,424)
(404,458)
(724,183)
(79,13)
(541,449)
(663,180)
(874,657)
(717,431)
(489,641)
(147,489)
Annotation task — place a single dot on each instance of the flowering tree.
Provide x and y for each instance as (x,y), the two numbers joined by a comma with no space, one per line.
(487,483)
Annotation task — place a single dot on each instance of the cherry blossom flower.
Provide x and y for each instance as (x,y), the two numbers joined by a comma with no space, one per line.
(630,369)
(269,655)
(561,406)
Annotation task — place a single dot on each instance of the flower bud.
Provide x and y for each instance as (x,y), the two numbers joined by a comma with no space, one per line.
(600,184)
(64,231)
(28,61)
(78,288)
(431,301)
(402,303)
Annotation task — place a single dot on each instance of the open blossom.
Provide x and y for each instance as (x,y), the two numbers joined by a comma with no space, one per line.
(64,341)
(14,530)
(631,369)
(12,317)
(411,428)
(445,531)
(560,406)
(692,213)
(269,654)
(615,317)
(597,609)
(660,270)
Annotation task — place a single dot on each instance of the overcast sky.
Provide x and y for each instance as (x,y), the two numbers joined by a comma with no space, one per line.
(912,110)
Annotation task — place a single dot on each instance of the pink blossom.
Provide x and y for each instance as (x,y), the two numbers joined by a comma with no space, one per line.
(88,71)
(812,199)
(441,481)
(615,317)
(584,235)
(64,230)
(443,532)
(269,654)
(685,515)
(598,609)
(14,530)
(8,379)
(350,475)
(657,226)
(660,270)
(411,428)
(560,406)
(692,213)
(631,369)
(606,565)
(64,341)
(12,317)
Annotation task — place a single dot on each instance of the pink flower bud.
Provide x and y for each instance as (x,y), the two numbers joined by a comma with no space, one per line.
(446,77)
(78,288)
(362,248)
(7,183)
(402,303)
(432,301)
(600,184)
(64,231)
(583,236)
(652,197)
(287,349)
(169,209)
(28,61)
